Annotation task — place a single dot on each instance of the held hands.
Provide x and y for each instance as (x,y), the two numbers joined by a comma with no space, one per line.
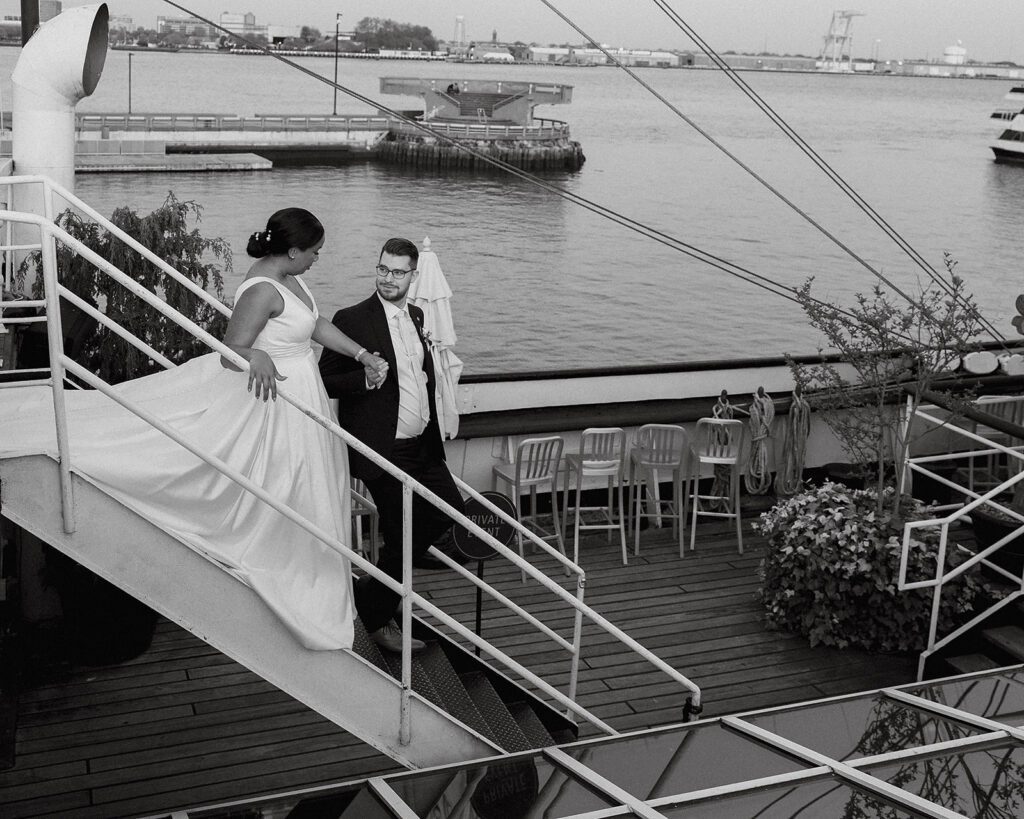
(375,369)
(264,375)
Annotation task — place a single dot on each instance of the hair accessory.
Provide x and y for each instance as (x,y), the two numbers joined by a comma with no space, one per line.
(266,235)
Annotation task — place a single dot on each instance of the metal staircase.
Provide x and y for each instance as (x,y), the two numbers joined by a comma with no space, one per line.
(440,706)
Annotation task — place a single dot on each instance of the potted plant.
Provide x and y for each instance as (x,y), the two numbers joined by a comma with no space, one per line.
(832,563)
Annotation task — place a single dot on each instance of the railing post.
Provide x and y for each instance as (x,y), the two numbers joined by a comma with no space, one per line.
(577,642)
(405,730)
(55,344)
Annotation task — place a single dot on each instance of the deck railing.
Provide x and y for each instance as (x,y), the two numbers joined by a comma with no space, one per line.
(982,447)
(60,365)
(543,129)
(169,123)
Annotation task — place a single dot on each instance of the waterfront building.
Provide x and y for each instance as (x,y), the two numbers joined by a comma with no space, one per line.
(278,34)
(547,54)
(186,26)
(10,29)
(587,56)
(242,24)
(641,58)
(121,22)
(768,62)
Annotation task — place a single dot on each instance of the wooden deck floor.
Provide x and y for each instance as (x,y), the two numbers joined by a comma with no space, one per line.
(184,725)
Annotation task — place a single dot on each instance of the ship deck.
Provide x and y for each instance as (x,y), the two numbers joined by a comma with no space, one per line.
(184,725)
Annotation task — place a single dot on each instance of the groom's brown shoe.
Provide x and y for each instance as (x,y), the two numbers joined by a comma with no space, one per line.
(389,637)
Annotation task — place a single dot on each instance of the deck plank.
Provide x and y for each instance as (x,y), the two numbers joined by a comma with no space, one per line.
(184,725)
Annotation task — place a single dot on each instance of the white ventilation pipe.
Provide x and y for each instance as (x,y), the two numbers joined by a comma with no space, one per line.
(59,66)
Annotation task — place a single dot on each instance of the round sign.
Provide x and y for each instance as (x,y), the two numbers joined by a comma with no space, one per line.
(492,523)
(507,791)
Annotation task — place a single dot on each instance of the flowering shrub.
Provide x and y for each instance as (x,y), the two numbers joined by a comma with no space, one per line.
(832,567)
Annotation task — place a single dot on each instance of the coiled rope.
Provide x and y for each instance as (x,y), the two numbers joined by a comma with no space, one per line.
(790,477)
(758,479)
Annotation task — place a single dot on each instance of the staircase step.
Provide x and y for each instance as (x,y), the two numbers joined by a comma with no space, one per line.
(528,721)
(457,701)
(366,648)
(1009,639)
(509,735)
(969,663)
(421,682)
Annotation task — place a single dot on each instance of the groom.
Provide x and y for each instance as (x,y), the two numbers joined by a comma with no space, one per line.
(396,415)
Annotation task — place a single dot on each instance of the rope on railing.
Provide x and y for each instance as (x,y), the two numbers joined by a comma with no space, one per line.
(758,479)
(790,475)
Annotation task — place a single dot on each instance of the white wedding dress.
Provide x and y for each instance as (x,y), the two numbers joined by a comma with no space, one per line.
(304,581)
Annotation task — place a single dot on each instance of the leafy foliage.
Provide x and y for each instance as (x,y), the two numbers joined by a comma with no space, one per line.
(375,33)
(832,566)
(890,343)
(167,231)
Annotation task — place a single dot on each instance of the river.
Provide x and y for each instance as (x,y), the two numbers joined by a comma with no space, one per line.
(541,283)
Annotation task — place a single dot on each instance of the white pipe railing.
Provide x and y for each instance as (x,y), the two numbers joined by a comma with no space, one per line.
(942,576)
(50,234)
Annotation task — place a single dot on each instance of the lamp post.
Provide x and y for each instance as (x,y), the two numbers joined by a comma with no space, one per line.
(337,33)
(129,82)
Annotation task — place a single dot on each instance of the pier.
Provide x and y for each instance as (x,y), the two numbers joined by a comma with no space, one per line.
(463,121)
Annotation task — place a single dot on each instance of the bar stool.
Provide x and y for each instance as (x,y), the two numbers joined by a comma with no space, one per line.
(535,467)
(659,448)
(719,442)
(602,453)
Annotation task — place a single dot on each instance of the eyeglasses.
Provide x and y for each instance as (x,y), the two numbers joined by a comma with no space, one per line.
(396,274)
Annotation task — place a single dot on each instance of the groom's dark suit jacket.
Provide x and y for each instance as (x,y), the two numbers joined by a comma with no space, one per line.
(372,415)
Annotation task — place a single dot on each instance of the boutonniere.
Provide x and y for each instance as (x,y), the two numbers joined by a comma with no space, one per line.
(425,335)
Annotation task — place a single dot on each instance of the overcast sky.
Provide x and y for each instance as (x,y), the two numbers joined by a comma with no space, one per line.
(990,30)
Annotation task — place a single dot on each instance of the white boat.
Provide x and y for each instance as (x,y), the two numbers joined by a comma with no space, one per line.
(1009,146)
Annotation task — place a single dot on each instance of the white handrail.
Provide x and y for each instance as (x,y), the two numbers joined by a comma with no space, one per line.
(942,577)
(51,233)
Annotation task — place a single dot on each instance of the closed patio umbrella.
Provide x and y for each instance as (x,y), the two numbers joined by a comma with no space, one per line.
(431,293)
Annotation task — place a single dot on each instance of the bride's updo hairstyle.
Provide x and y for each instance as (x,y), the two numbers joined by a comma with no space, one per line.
(288,228)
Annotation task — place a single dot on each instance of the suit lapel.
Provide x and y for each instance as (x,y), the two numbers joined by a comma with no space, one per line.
(428,361)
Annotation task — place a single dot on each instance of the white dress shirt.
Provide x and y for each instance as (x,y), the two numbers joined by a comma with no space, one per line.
(413,404)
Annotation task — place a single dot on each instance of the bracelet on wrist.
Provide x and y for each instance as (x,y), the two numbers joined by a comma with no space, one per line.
(361,351)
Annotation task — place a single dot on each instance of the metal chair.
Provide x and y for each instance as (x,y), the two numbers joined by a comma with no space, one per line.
(719,442)
(364,507)
(659,448)
(535,467)
(602,454)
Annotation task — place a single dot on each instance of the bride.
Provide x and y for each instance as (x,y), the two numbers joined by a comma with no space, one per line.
(232,415)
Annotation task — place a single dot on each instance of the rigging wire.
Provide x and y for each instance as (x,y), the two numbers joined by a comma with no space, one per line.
(668,240)
(824,166)
(730,268)
(800,143)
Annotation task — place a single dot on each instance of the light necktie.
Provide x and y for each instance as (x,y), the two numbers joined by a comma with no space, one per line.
(411,342)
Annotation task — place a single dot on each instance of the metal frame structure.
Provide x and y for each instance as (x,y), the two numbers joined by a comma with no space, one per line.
(854,773)
(61,365)
(984,447)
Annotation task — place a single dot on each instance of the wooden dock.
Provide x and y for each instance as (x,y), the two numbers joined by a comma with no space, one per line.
(183,725)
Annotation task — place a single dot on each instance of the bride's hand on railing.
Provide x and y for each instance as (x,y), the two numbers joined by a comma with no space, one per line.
(264,375)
